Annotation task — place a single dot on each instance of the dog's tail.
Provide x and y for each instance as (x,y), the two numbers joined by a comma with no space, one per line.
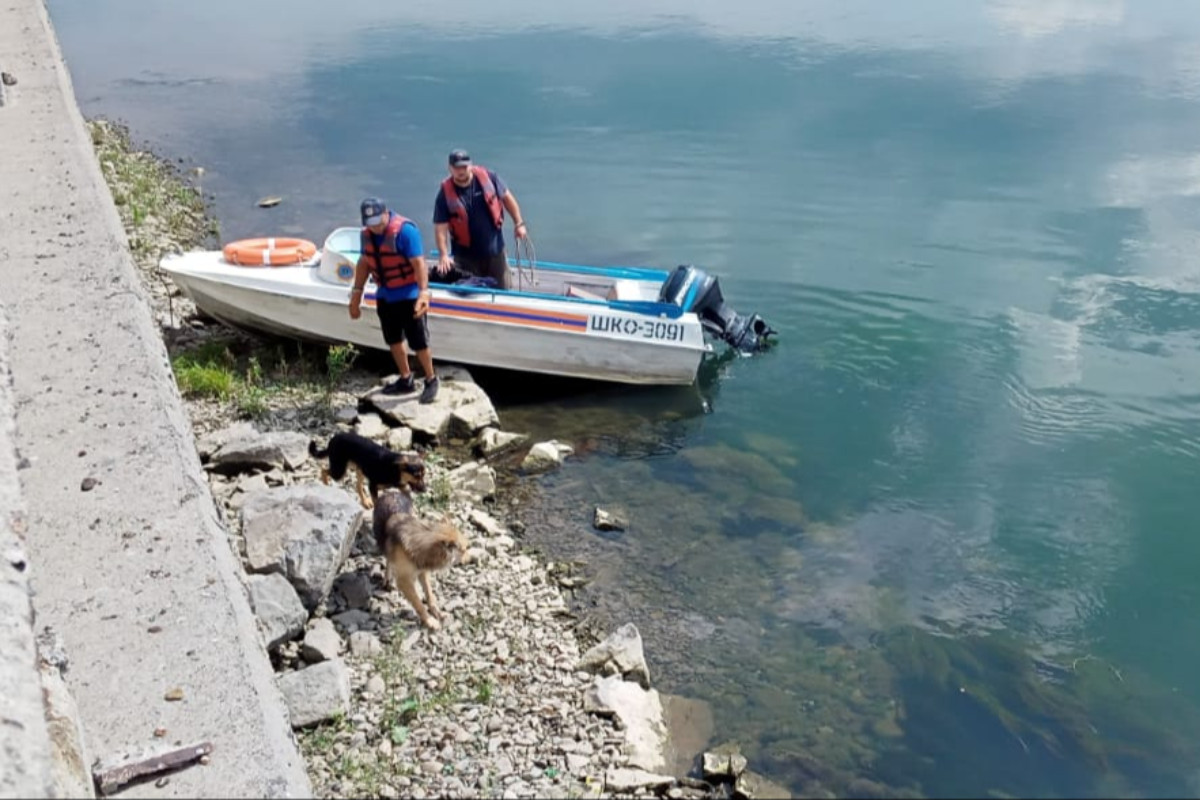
(315,451)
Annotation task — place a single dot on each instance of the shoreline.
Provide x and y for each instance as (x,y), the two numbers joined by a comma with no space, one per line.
(496,703)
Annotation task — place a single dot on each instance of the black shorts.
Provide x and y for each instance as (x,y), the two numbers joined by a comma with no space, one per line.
(495,267)
(398,323)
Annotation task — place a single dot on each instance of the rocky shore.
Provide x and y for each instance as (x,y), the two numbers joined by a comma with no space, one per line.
(510,698)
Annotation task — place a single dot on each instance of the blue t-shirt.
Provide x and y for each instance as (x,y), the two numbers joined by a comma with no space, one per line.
(410,245)
(486,238)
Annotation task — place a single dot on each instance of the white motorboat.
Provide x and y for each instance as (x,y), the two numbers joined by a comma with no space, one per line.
(624,324)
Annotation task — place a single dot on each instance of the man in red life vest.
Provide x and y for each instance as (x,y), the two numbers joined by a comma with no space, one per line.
(469,212)
(392,255)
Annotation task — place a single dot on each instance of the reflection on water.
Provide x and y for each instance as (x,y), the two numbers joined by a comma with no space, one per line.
(984,714)
(869,658)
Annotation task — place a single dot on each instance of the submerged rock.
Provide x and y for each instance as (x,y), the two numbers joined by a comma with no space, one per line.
(493,441)
(545,456)
(603,520)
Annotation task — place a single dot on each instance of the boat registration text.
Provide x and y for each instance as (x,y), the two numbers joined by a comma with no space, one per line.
(637,328)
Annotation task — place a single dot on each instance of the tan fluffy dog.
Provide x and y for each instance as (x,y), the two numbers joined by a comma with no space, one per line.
(413,548)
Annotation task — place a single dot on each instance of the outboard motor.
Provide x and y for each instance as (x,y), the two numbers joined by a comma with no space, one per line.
(695,290)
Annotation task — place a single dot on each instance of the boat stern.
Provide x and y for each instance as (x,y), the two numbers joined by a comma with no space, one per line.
(697,292)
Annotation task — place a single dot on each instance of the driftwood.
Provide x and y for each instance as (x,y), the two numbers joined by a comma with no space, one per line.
(110,778)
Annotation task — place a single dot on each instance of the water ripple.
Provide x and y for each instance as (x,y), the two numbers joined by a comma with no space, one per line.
(1051,415)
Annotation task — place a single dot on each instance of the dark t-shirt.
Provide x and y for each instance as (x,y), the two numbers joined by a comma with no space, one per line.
(486,238)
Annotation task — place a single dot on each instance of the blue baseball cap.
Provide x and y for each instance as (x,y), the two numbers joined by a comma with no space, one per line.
(373,210)
(459,157)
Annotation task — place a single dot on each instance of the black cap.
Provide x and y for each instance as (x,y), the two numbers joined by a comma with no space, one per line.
(372,211)
(459,157)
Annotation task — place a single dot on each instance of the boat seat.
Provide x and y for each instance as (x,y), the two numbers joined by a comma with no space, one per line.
(624,289)
(574,290)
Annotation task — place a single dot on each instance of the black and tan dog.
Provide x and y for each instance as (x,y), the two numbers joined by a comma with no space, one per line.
(413,547)
(380,466)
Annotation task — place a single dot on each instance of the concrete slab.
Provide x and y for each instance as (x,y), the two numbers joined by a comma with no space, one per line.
(143,549)
(24,741)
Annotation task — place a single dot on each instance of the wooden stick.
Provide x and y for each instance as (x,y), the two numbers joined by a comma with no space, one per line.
(109,779)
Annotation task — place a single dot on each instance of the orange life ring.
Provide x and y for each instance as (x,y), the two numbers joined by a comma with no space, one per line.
(269,252)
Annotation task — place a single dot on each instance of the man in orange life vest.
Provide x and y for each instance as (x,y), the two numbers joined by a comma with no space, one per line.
(392,254)
(469,210)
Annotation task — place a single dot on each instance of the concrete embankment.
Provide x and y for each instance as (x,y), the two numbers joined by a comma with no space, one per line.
(127,559)
(24,746)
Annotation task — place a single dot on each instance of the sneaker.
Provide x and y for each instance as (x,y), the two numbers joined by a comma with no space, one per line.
(400,386)
(430,391)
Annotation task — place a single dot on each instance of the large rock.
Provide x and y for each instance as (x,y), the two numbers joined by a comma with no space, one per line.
(322,642)
(280,613)
(317,693)
(474,480)
(752,786)
(627,781)
(302,532)
(371,426)
(355,588)
(253,450)
(641,715)
(621,653)
(399,439)
(722,765)
(213,441)
(493,441)
(545,456)
(472,416)
(461,407)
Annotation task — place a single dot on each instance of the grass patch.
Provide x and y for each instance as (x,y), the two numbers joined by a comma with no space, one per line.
(322,738)
(440,490)
(207,371)
(204,380)
(338,361)
(484,689)
(255,379)
(159,207)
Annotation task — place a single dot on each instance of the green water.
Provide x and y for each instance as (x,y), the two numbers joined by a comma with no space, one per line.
(941,539)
